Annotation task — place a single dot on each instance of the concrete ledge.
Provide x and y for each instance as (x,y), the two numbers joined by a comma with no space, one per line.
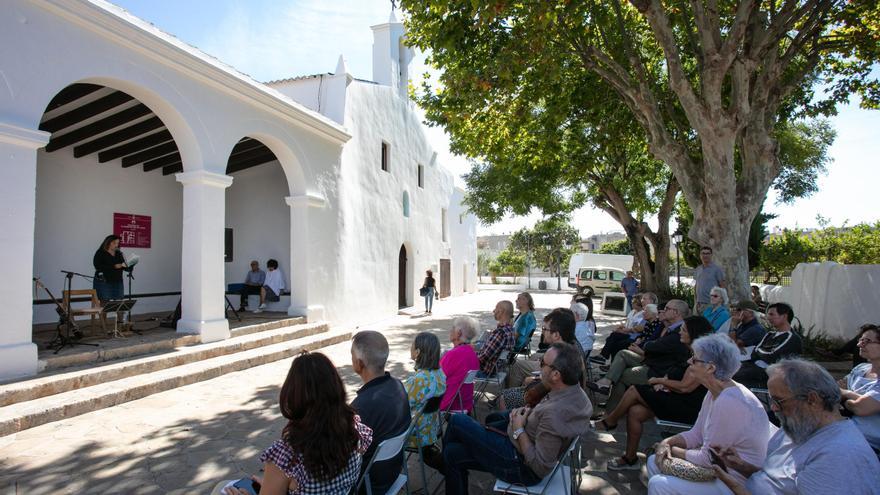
(18,360)
(18,417)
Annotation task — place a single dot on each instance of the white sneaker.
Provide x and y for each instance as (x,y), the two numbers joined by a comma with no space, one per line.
(258,310)
(262,306)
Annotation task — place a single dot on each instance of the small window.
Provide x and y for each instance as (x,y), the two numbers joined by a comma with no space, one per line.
(444,227)
(587,274)
(385,156)
(421,176)
(405,204)
(600,275)
(617,276)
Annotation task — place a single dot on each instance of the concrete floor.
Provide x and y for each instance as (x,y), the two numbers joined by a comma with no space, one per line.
(185,440)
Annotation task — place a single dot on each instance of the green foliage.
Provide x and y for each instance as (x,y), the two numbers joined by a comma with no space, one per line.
(782,253)
(622,246)
(816,344)
(684,292)
(803,153)
(508,263)
(857,245)
(550,242)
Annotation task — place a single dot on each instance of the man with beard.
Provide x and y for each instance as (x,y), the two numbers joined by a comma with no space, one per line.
(816,451)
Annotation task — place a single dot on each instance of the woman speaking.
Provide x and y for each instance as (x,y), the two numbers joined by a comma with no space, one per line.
(109,264)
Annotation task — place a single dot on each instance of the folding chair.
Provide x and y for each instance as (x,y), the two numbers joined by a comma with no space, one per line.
(468,380)
(672,424)
(432,406)
(562,479)
(387,449)
(496,378)
(525,350)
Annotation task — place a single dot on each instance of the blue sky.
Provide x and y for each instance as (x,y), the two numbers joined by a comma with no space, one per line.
(271,39)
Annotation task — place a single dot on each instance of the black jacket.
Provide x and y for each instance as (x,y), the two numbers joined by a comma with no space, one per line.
(665,353)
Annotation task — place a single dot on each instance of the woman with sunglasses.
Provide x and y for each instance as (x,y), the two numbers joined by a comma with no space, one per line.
(717,312)
(860,390)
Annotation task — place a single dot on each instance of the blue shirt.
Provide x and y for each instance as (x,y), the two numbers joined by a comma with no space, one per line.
(750,333)
(524,325)
(255,278)
(868,425)
(630,286)
(716,316)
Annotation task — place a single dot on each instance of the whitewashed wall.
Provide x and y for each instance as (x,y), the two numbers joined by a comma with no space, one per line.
(463,242)
(76,199)
(260,219)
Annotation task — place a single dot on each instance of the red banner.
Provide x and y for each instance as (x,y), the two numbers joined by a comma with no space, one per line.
(133,230)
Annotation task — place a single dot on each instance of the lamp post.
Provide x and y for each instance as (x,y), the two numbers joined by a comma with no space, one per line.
(529,256)
(676,238)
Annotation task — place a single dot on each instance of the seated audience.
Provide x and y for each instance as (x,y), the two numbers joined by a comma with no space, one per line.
(623,335)
(253,282)
(780,342)
(815,451)
(521,446)
(272,287)
(756,298)
(678,397)
(584,327)
(322,443)
(428,381)
(635,365)
(652,326)
(381,402)
(861,389)
(558,326)
(524,325)
(717,312)
(499,340)
(748,330)
(731,418)
(457,362)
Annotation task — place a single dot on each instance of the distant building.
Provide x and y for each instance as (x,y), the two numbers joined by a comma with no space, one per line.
(492,245)
(596,241)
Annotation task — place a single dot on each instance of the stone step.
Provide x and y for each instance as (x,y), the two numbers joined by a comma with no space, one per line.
(87,376)
(24,415)
(147,344)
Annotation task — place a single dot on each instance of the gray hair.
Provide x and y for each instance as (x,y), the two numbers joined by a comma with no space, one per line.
(682,307)
(468,326)
(428,346)
(580,311)
(651,296)
(721,351)
(569,363)
(371,347)
(651,308)
(802,377)
(722,292)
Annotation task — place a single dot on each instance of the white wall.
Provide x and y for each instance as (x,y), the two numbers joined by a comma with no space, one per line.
(76,199)
(260,219)
(833,299)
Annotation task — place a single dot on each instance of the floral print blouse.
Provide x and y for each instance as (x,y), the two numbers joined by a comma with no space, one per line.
(421,386)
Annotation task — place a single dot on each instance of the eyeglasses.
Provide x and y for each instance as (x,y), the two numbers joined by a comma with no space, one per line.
(548,365)
(695,361)
(547,329)
(714,295)
(868,341)
(780,402)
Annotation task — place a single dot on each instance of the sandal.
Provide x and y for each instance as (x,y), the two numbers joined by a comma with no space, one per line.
(623,464)
(604,390)
(604,426)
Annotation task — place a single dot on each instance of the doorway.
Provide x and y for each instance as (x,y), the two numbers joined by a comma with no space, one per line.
(401,278)
(445,282)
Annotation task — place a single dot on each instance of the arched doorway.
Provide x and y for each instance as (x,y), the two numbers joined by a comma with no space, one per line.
(401,279)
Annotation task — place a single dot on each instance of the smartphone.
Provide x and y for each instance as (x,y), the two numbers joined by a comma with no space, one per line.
(717,460)
(248,485)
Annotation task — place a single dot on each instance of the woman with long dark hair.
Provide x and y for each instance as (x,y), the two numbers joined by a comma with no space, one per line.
(322,444)
(109,264)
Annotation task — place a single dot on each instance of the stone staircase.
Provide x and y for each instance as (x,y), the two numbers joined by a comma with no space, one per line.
(72,388)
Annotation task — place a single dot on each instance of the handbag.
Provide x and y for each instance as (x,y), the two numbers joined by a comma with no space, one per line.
(423,291)
(686,470)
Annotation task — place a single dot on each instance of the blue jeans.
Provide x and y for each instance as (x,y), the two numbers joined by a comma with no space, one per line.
(467,445)
(429,299)
(108,291)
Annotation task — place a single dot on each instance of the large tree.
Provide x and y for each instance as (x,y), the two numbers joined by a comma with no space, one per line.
(708,81)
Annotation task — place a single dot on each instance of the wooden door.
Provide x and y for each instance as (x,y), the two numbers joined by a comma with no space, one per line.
(445,272)
(401,278)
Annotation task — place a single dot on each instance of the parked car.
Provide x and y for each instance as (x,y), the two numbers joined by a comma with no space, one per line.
(578,260)
(599,279)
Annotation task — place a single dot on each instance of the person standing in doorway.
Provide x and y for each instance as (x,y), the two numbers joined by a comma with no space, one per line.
(706,276)
(428,290)
(109,264)
(253,282)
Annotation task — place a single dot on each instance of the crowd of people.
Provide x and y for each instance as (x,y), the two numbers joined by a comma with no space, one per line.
(761,418)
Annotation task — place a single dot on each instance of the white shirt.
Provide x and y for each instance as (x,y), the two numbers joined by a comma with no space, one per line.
(275,281)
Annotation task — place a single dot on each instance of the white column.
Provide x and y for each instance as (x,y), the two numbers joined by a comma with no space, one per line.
(18,184)
(202,271)
(300,251)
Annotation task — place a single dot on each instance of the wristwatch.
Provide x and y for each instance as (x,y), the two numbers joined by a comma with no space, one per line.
(518,432)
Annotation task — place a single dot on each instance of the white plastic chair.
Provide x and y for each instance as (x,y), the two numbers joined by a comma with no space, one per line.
(496,378)
(562,478)
(468,380)
(389,448)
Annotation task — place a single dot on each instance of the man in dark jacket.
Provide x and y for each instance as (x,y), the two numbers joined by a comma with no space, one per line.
(634,366)
(780,342)
(381,403)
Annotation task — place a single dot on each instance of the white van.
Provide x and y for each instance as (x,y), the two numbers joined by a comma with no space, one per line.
(579,260)
(599,279)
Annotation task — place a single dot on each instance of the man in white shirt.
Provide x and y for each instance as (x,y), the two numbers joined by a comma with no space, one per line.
(272,287)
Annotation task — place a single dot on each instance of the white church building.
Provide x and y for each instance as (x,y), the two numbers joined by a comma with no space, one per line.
(105,121)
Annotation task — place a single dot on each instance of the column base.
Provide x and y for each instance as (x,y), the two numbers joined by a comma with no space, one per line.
(210,331)
(18,360)
(314,312)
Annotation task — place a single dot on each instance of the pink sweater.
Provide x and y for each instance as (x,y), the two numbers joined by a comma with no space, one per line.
(735,419)
(456,363)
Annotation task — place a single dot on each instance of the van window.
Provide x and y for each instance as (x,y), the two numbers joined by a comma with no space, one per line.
(586,274)
(600,275)
(617,276)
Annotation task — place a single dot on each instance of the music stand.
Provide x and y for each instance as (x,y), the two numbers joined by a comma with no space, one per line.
(118,306)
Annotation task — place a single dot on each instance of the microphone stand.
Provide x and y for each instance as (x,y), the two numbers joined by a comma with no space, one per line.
(130,321)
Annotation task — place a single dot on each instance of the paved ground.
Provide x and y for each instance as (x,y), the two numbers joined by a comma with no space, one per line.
(185,440)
